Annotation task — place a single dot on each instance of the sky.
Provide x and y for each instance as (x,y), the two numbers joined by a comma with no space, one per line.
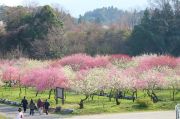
(77,7)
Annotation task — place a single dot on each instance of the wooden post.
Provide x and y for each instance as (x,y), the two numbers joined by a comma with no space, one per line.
(63,96)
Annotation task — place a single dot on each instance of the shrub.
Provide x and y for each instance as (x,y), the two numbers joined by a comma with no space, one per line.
(144,103)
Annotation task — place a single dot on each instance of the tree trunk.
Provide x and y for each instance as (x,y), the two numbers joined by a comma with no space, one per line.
(6,86)
(117,101)
(81,104)
(154,96)
(101,93)
(37,93)
(50,94)
(133,96)
(110,95)
(92,97)
(20,90)
(55,98)
(124,93)
(149,94)
(173,94)
(136,94)
(65,94)
(25,90)
(116,98)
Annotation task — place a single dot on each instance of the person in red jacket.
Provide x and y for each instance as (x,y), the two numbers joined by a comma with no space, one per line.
(40,106)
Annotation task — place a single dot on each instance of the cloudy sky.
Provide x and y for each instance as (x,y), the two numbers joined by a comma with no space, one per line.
(77,7)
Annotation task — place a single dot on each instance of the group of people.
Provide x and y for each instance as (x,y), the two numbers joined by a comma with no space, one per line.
(32,106)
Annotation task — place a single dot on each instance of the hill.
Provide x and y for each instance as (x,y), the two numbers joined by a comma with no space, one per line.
(109,15)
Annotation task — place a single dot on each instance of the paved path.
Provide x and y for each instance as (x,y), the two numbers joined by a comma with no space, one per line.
(137,115)
(11,112)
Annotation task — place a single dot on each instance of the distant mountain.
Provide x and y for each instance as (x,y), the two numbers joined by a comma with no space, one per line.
(108,15)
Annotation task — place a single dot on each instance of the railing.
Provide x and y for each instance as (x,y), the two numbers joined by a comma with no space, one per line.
(177,108)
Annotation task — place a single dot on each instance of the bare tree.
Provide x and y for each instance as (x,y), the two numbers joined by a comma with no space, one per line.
(2,28)
(30,3)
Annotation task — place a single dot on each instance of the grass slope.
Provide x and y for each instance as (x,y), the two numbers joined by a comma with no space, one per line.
(98,105)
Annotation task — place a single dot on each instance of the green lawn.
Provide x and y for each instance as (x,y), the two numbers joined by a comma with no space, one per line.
(99,104)
(2,117)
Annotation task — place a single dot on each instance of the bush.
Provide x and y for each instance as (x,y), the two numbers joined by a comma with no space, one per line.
(144,103)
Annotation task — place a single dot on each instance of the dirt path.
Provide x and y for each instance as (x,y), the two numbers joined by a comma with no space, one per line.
(11,112)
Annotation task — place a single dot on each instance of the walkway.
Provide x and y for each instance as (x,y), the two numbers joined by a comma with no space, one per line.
(136,115)
(11,112)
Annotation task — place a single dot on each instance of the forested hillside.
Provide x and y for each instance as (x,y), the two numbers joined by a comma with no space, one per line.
(44,32)
(109,15)
(159,30)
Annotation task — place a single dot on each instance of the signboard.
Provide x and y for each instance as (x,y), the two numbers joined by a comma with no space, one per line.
(60,93)
(177,108)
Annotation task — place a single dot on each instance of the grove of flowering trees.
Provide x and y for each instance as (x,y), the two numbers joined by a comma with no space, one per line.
(87,75)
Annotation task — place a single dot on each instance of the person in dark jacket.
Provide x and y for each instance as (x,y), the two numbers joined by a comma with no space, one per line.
(46,106)
(24,103)
(32,107)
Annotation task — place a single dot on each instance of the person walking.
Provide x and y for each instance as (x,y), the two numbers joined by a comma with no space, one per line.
(46,106)
(40,106)
(32,107)
(20,115)
(24,103)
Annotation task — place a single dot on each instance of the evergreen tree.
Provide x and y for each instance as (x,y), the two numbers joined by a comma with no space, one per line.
(158,32)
